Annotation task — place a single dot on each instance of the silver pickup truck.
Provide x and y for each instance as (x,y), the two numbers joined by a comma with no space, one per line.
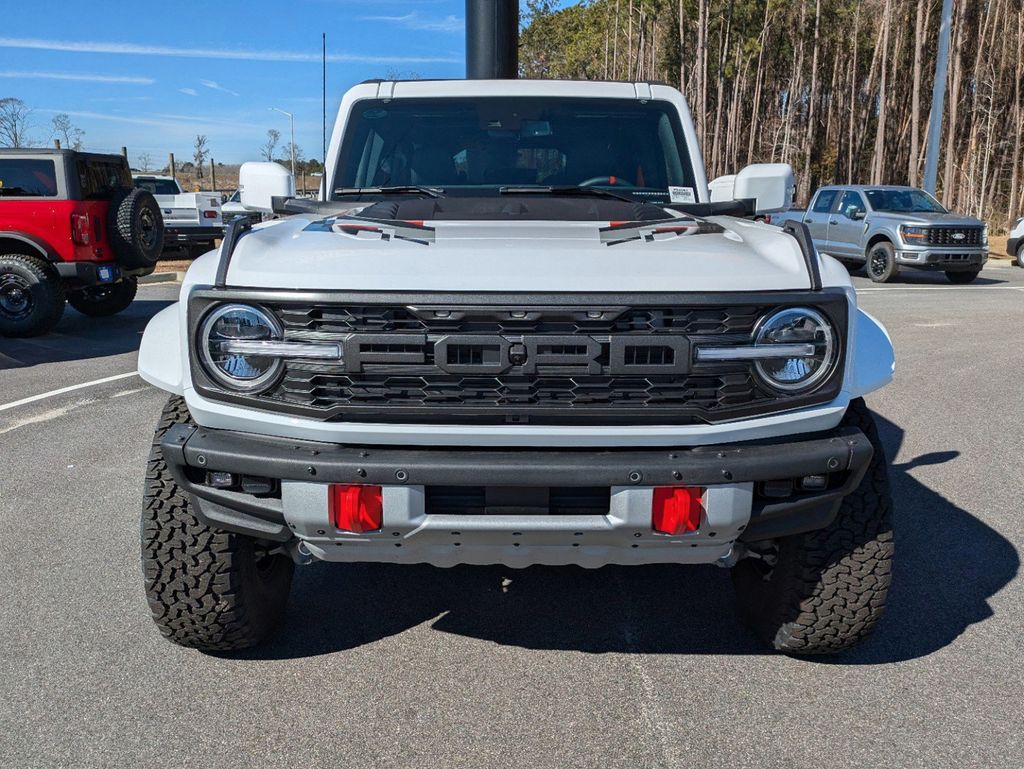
(888,228)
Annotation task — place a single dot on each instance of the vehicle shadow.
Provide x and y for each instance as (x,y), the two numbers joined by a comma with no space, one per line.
(948,564)
(78,337)
(927,278)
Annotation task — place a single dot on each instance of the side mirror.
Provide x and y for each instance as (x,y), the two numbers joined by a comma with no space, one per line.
(772,186)
(721,188)
(858,214)
(260,183)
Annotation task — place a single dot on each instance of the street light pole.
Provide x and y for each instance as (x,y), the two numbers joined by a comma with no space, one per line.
(931,163)
(291,125)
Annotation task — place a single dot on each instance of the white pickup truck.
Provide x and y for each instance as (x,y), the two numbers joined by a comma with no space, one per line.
(192,220)
(517,332)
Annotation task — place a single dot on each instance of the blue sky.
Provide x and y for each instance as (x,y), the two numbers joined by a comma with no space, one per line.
(151,75)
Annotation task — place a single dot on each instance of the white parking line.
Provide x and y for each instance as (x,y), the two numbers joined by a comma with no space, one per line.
(62,390)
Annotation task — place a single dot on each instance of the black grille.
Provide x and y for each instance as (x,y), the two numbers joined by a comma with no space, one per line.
(953,236)
(516,359)
(324,388)
(314,321)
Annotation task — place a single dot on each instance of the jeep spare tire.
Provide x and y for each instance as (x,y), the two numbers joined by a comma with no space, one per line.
(136,229)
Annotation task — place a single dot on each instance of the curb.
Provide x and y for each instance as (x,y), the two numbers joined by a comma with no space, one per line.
(162,277)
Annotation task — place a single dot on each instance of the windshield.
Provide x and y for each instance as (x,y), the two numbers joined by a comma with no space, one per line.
(904,201)
(476,146)
(158,186)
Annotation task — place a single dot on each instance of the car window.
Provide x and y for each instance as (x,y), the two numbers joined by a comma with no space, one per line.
(850,204)
(905,201)
(99,179)
(483,144)
(158,186)
(28,177)
(823,203)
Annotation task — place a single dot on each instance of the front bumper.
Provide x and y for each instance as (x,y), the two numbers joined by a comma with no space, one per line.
(737,507)
(946,258)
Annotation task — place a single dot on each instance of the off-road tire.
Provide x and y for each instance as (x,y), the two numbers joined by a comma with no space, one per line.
(101,301)
(826,590)
(136,227)
(962,277)
(881,264)
(31,296)
(208,589)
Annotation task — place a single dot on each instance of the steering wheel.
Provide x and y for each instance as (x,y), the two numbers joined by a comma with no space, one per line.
(610,181)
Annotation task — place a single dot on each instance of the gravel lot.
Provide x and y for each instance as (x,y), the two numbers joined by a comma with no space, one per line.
(406,667)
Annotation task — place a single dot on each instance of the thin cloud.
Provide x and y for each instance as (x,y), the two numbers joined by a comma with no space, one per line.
(188,122)
(94,46)
(79,76)
(188,91)
(413,20)
(215,86)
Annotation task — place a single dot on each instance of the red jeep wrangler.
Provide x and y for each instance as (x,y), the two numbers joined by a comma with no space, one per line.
(72,227)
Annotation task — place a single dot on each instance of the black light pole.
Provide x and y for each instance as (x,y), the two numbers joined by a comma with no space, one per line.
(492,39)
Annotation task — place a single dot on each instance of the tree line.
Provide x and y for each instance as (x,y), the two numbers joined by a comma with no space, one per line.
(841,89)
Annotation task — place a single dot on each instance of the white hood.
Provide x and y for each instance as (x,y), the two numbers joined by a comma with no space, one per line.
(298,253)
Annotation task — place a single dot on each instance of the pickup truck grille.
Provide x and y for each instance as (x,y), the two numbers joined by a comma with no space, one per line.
(523,359)
(954,236)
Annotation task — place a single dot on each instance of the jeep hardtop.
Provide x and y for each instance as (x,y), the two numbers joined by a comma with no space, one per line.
(72,227)
(515,331)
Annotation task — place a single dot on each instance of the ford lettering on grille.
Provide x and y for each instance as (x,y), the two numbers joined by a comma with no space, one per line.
(528,354)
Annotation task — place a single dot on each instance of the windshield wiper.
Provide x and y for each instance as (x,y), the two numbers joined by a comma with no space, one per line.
(567,189)
(401,189)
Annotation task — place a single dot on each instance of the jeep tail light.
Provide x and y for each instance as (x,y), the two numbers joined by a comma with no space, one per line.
(80,230)
(355,508)
(209,214)
(676,509)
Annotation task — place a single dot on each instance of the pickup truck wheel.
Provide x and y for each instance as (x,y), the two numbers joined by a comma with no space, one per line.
(962,277)
(136,229)
(101,301)
(824,591)
(31,296)
(208,589)
(881,264)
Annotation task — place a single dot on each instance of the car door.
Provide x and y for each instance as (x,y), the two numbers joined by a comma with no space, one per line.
(817,217)
(846,227)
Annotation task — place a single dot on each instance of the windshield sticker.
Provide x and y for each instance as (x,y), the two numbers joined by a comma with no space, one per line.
(681,195)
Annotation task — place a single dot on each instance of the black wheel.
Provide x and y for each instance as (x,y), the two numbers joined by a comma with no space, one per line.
(962,277)
(31,296)
(208,589)
(824,591)
(1019,261)
(881,264)
(136,229)
(100,301)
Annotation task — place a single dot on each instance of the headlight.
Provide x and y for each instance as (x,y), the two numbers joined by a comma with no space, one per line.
(913,233)
(810,349)
(230,339)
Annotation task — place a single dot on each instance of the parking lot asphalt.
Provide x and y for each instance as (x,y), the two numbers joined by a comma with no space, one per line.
(381,666)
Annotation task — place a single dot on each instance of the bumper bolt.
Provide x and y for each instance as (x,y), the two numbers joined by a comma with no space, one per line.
(833,463)
(361,472)
(201,460)
(635,477)
(727,475)
(677,475)
(311,470)
(401,475)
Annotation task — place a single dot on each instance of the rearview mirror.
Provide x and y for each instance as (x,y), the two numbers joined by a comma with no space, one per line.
(260,183)
(772,186)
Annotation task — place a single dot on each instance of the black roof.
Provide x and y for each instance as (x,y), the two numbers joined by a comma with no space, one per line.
(52,152)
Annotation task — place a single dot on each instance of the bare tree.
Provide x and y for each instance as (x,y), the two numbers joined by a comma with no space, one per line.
(199,154)
(14,123)
(145,161)
(69,134)
(268,147)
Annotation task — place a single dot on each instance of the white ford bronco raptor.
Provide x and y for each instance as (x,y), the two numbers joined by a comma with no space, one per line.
(515,331)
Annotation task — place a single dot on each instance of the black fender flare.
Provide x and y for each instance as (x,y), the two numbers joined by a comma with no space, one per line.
(38,245)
